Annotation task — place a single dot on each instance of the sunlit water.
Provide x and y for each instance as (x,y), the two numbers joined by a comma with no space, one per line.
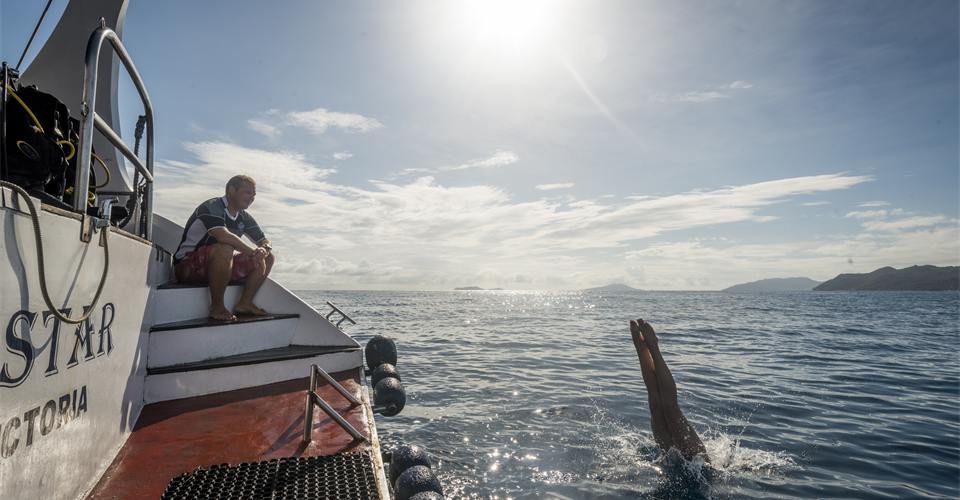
(539,395)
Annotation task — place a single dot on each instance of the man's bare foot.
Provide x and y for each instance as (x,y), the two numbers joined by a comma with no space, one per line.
(221,314)
(249,310)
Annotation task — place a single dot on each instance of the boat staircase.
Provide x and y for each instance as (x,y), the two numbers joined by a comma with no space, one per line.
(190,354)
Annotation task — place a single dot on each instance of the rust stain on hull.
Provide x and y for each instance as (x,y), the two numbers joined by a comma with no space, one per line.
(246,425)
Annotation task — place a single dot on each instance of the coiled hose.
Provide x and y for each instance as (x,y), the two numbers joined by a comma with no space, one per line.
(40,262)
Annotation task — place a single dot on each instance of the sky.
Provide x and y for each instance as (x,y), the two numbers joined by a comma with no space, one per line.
(557,144)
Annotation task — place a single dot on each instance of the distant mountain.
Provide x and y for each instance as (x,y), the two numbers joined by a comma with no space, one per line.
(468,288)
(888,278)
(613,287)
(775,285)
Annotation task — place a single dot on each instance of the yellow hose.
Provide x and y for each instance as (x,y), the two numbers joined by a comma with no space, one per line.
(25,108)
(105,169)
(73,149)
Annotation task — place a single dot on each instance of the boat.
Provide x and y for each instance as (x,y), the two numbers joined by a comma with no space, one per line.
(114,383)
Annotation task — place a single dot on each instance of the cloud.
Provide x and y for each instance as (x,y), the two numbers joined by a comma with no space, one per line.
(694,97)
(499,159)
(867,214)
(700,96)
(871,204)
(267,129)
(342,155)
(880,220)
(906,223)
(320,119)
(676,265)
(421,233)
(550,187)
(815,203)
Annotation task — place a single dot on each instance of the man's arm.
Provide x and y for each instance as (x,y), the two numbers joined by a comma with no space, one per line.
(222,235)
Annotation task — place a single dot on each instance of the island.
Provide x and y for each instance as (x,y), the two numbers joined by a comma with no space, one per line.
(613,287)
(931,278)
(775,285)
(462,288)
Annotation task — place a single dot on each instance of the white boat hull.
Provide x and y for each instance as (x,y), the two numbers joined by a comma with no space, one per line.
(69,394)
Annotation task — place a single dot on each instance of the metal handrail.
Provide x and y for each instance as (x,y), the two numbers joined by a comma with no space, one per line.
(336,309)
(314,399)
(91,120)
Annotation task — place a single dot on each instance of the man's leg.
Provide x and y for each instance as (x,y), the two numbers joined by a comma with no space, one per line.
(658,423)
(219,269)
(252,284)
(684,435)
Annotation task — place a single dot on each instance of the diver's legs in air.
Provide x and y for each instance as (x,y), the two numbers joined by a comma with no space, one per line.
(683,435)
(658,423)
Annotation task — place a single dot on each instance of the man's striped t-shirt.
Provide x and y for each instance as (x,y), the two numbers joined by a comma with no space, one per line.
(212,214)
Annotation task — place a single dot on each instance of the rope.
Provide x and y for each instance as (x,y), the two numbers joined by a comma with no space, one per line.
(42,268)
(35,28)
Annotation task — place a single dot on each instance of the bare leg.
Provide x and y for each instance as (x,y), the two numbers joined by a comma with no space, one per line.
(253,283)
(219,268)
(658,423)
(684,435)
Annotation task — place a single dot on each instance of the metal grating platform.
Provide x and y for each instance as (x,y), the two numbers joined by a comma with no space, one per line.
(341,476)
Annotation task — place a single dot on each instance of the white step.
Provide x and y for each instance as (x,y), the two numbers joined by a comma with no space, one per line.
(250,370)
(200,339)
(175,302)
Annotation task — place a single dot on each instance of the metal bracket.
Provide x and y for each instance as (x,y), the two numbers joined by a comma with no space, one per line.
(87,228)
(336,310)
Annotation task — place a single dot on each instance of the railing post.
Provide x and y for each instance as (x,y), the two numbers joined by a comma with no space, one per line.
(88,113)
(3,122)
(308,412)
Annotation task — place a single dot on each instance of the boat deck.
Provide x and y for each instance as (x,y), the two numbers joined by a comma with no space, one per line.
(246,425)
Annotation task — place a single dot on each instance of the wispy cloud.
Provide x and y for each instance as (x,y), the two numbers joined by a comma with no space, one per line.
(871,204)
(905,223)
(716,264)
(696,96)
(499,159)
(872,214)
(342,155)
(699,96)
(321,119)
(815,203)
(551,187)
(432,229)
(261,126)
(318,121)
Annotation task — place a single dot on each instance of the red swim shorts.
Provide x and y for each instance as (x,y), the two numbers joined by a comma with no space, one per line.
(193,267)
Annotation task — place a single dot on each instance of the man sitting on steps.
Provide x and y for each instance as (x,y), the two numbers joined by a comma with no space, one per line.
(211,250)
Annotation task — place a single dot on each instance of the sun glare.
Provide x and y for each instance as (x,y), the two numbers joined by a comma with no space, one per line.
(506,28)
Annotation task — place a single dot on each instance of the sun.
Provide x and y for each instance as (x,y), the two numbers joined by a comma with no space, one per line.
(506,28)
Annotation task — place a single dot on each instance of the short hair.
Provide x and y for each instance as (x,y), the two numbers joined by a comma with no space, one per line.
(238,180)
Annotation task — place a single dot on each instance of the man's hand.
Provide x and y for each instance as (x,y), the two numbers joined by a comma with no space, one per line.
(260,253)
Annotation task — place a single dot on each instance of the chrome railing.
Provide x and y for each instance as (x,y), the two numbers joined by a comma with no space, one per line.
(336,310)
(90,120)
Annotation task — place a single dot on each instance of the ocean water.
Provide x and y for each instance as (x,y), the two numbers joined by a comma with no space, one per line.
(796,395)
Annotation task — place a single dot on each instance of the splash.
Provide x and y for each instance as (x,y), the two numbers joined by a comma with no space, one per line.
(731,459)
